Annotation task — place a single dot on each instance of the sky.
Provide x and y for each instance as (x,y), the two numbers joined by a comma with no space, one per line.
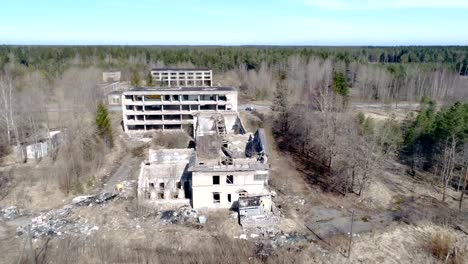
(234,22)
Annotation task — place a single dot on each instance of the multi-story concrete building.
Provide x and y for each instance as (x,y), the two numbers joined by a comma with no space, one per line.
(174,108)
(177,77)
(226,168)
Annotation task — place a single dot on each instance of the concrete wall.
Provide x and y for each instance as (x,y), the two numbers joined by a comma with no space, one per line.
(232,101)
(203,188)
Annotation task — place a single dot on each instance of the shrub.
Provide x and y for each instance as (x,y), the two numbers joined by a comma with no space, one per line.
(440,245)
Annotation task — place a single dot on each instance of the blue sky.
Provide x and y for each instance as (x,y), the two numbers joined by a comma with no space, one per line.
(235,22)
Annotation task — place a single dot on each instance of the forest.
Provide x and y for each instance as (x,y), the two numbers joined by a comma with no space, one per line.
(54,59)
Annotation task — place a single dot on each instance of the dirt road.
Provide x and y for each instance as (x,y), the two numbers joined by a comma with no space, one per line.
(128,166)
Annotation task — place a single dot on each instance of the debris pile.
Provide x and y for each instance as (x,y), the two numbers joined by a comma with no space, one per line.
(9,213)
(269,239)
(183,215)
(56,223)
(86,200)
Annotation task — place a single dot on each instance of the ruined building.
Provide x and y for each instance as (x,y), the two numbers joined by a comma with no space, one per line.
(227,167)
(164,177)
(178,77)
(228,164)
(221,170)
(173,108)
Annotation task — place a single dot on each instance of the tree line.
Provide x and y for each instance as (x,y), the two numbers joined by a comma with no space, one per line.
(53,59)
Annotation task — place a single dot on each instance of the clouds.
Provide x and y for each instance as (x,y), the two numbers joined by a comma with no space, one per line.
(385,4)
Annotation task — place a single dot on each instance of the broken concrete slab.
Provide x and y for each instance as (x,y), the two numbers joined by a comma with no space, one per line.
(86,200)
(9,213)
(82,200)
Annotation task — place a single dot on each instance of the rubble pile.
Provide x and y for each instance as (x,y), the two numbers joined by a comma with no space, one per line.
(9,213)
(270,239)
(93,199)
(57,222)
(184,214)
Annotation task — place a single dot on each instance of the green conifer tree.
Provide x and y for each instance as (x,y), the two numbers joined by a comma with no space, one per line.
(149,80)
(135,79)
(104,126)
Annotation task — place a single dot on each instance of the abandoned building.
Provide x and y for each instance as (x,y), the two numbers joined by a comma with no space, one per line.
(164,177)
(114,98)
(174,108)
(223,170)
(227,164)
(178,77)
(111,76)
(39,146)
(216,174)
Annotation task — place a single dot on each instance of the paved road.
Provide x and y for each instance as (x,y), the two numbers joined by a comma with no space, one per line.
(258,107)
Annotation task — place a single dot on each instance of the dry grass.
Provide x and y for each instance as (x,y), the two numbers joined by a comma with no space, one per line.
(440,245)
(170,140)
(152,249)
(159,249)
(405,244)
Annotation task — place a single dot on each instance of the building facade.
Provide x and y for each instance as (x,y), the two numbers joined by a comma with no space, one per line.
(221,186)
(173,77)
(173,108)
(111,76)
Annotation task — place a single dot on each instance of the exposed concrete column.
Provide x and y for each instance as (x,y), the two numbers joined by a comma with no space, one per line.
(167,194)
(181,194)
(153,195)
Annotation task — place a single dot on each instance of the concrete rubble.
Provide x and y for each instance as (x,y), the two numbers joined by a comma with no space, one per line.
(268,240)
(9,213)
(90,199)
(57,222)
(180,216)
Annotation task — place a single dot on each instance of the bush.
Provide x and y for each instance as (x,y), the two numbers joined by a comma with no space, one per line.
(440,245)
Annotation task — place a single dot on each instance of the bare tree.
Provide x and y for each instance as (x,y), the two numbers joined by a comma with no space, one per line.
(7,113)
